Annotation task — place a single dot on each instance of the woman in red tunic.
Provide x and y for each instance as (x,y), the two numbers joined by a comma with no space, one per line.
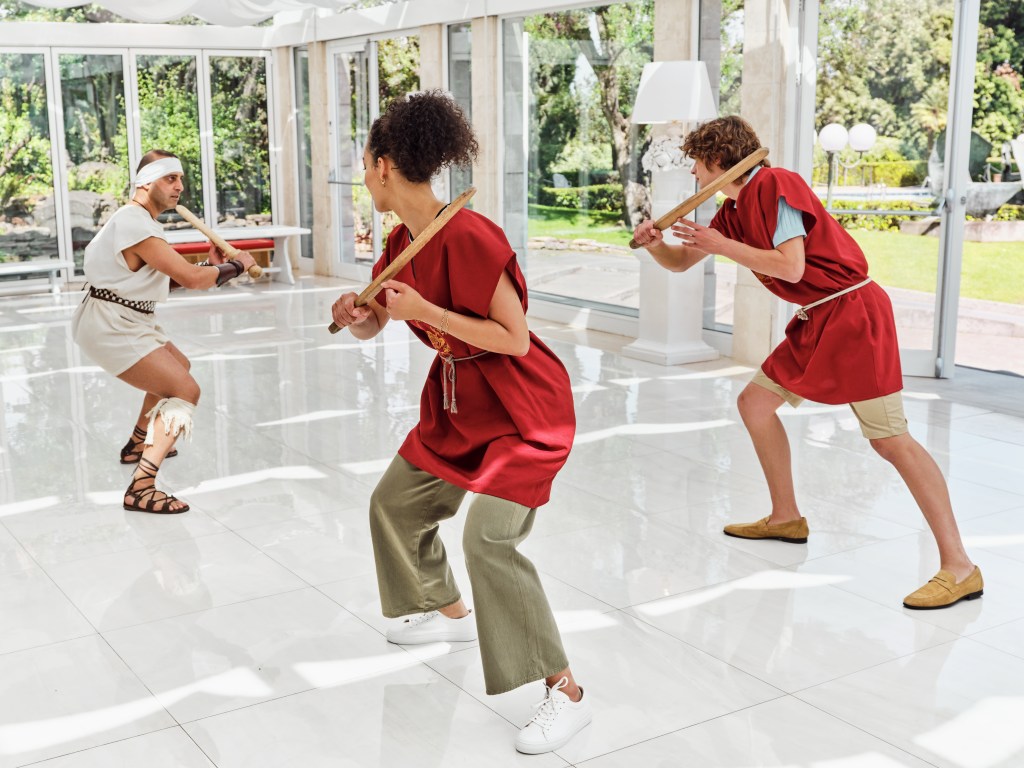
(840,348)
(496,419)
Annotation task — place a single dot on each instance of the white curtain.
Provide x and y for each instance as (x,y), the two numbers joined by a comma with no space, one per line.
(232,13)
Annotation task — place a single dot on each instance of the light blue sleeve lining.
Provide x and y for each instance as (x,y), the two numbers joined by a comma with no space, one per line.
(789,225)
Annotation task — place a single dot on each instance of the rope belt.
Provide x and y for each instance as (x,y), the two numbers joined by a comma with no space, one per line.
(103,294)
(448,377)
(802,311)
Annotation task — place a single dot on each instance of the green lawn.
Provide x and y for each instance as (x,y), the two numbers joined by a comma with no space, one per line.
(993,271)
(569,224)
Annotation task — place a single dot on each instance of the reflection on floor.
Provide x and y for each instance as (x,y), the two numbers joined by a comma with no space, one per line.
(247,633)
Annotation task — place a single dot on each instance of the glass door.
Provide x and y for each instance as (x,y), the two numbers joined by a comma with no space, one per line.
(883,162)
(349,124)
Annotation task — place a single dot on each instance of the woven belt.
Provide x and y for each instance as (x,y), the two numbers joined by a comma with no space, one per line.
(103,294)
(801,312)
(448,377)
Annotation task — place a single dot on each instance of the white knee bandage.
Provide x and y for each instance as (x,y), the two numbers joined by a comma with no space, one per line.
(176,415)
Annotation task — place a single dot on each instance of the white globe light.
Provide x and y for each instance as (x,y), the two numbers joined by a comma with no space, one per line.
(832,137)
(862,137)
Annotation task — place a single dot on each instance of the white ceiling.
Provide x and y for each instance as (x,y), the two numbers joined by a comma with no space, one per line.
(231,13)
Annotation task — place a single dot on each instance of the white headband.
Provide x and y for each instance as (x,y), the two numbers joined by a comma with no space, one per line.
(158,169)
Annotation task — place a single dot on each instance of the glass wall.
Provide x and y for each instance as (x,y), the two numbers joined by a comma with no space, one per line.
(169,119)
(241,139)
(28,213)
(887,66)
(95,143)
(725,68)
(573,158)
(460,84)
(990,326)
(398,74)
(305,149)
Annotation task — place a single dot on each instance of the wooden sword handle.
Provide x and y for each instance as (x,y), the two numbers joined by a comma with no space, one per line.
(229,250)
(691,203)
(405,256)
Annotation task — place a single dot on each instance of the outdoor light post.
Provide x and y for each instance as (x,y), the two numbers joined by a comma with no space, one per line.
(833,138)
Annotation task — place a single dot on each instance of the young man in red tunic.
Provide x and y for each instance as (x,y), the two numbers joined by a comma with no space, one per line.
(496,418)
(840,348)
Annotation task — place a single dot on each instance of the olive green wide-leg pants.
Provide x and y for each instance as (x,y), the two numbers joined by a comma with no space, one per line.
(519,640)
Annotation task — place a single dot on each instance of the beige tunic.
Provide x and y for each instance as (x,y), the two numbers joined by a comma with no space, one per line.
(116,337)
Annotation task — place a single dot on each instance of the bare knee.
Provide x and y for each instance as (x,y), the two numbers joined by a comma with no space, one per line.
(756,405)
(188,390)
(894,448)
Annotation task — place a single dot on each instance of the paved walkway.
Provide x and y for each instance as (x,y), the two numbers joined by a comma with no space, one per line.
(990,333)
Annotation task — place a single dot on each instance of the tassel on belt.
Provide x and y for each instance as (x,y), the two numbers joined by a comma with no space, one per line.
(801,312)
(448,377)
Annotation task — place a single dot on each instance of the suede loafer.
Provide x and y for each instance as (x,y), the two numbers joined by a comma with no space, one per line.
(794,531)
(943,591)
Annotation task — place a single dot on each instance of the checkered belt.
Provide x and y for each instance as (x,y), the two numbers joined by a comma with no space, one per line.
(139,306)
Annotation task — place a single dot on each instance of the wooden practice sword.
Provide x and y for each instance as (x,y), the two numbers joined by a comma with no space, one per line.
(229,250)
(405,256)
(691,203)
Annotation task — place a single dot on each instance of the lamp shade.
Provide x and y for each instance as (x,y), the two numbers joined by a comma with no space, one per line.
(833,137)
(674,91)
(862,137)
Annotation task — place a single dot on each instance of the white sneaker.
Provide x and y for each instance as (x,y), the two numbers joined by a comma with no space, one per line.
(433,627)
(558,719)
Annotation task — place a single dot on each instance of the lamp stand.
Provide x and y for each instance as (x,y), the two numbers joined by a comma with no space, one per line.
(671,303)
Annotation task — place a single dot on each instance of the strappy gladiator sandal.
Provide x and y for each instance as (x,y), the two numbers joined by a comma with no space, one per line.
(132,451)
(149,499)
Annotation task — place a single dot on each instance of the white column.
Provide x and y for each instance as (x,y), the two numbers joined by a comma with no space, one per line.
(671,303)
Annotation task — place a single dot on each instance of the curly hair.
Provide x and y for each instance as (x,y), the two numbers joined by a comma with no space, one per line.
(422,134)
(724,142)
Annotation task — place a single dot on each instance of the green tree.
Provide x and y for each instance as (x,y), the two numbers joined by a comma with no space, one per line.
(616,40)
(24,129)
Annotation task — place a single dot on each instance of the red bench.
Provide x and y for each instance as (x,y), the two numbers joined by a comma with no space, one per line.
(259,248)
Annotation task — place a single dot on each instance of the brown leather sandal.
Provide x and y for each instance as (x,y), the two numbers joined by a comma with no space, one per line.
(149,499)
(132,451)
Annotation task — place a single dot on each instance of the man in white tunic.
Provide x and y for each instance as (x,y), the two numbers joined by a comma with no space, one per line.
(130,267)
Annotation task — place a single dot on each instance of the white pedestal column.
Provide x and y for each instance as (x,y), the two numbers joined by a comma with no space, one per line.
(671,303)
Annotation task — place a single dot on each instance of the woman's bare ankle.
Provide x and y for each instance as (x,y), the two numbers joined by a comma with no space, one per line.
(455,610)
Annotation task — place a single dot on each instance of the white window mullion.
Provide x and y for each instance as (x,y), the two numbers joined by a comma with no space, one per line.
(55,117)
(206,146)
(133,118)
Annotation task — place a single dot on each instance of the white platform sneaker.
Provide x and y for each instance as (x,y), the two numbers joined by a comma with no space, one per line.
(558,719)
(433,627)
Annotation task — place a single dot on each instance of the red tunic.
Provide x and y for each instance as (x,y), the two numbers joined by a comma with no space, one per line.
(515,421)
(846,351)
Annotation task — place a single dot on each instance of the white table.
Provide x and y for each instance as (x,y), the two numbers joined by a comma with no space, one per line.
(281,270)
(52,266)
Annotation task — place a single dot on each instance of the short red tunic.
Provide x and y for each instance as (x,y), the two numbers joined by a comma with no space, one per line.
(516,421)
(846,351)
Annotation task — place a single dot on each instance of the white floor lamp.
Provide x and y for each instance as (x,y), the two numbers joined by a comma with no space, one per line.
(672,93)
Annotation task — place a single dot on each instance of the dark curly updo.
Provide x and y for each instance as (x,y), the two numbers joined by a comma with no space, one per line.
(724,142)
(422,134)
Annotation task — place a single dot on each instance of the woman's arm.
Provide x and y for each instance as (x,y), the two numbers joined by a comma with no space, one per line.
(159,255)
(786,261)
(504,330)
(363,322)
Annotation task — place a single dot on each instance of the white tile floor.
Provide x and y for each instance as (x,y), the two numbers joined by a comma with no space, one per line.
(246,633)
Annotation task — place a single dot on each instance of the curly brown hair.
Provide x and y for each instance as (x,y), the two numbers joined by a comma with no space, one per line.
(422,134)
(724,142)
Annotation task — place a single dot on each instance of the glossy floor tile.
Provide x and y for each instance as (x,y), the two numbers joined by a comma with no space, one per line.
(247,632)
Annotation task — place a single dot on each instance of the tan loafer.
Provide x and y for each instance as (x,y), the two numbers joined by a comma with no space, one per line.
(943,591)
(795,531)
